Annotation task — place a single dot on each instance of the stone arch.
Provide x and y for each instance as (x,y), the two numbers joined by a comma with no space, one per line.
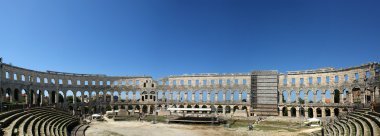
(204,106)
(16,95)
(302,111)
(345,95)
(196,96)
(189,96)
(236,108)
(130,96)
(319,112)
(145,109)
(285,96)
(8,95)
(182,96)
(61,97)
(204,96)
(301,97)
(293,96)
(174,95)
(78,96)
(212,96)
(220,109)
(293,112)
(86,96)
(327,112)
(310,96)
(244,96)
(336,96)
(24,96)
(220,96)
(336,112)
(115,96)
(310,113)
(327,96)
(236,96)
(284,111)
(137,95)
(228,109)
(228,96)
(123,95)
(70,96)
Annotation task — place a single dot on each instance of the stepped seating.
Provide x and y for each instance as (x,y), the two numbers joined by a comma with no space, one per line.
(358,123)
(44,121)
(79,130)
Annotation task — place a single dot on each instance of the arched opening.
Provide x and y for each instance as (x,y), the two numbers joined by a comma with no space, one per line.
(86,97)
(182,96)
(204,106)
(236,96)
(302,111)
(145,109)
(115,96)
(78,96)
(319,112)
(152,109)
(244,96)
(293,96)
(69,97)
(8,95)
(228,109)
(336,112)
(167,96)
(53,94)
(16,95)
(101,96)
(220,109)
(310,112)
(327,96)
(228,96)
(356,95)
(196,106)
(236,108)
(189,96)
(220,96)
(46,97)
(196,96)
(310,96)
(123,96)
(24,98)
(293,112)
(159,95)
(327,112)
(212,96)
(319,96)
(109,95)
(174,96)
(60,97)
(336,96)
(284,111)
(204,96)
(285,96)
(301,98)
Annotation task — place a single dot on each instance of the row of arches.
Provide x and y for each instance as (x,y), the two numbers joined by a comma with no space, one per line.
(310,112)
(354,95)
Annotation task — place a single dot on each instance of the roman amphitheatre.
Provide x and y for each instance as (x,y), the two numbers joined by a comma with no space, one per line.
(325,101)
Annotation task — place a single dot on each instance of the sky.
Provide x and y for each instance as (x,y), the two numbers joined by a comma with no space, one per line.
(174,37)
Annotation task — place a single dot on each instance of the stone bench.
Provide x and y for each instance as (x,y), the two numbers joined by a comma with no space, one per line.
(374,129)
(364,127)
(10,130)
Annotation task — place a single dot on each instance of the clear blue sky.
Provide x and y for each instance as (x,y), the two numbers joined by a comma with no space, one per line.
(161,38)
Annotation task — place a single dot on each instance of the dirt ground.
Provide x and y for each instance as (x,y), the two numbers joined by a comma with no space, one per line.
(274,126)
(135,128)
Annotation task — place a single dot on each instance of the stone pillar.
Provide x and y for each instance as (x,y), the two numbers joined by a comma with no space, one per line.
(148,109)
(118,96)
(193,97)
(297,112)
(280,107)
(315,97)
(306,111)
(305,97)
(201,97)
(34,97)
(297,97)
(133,109)
(341,97)
(280,99)
(50,96)
(185,96)
(314,112)
(289,111)
(216,98)
(323,110)
(288,100)
(224,109)
(332,100)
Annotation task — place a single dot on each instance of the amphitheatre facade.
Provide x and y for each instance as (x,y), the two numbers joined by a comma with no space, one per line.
(320,93)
